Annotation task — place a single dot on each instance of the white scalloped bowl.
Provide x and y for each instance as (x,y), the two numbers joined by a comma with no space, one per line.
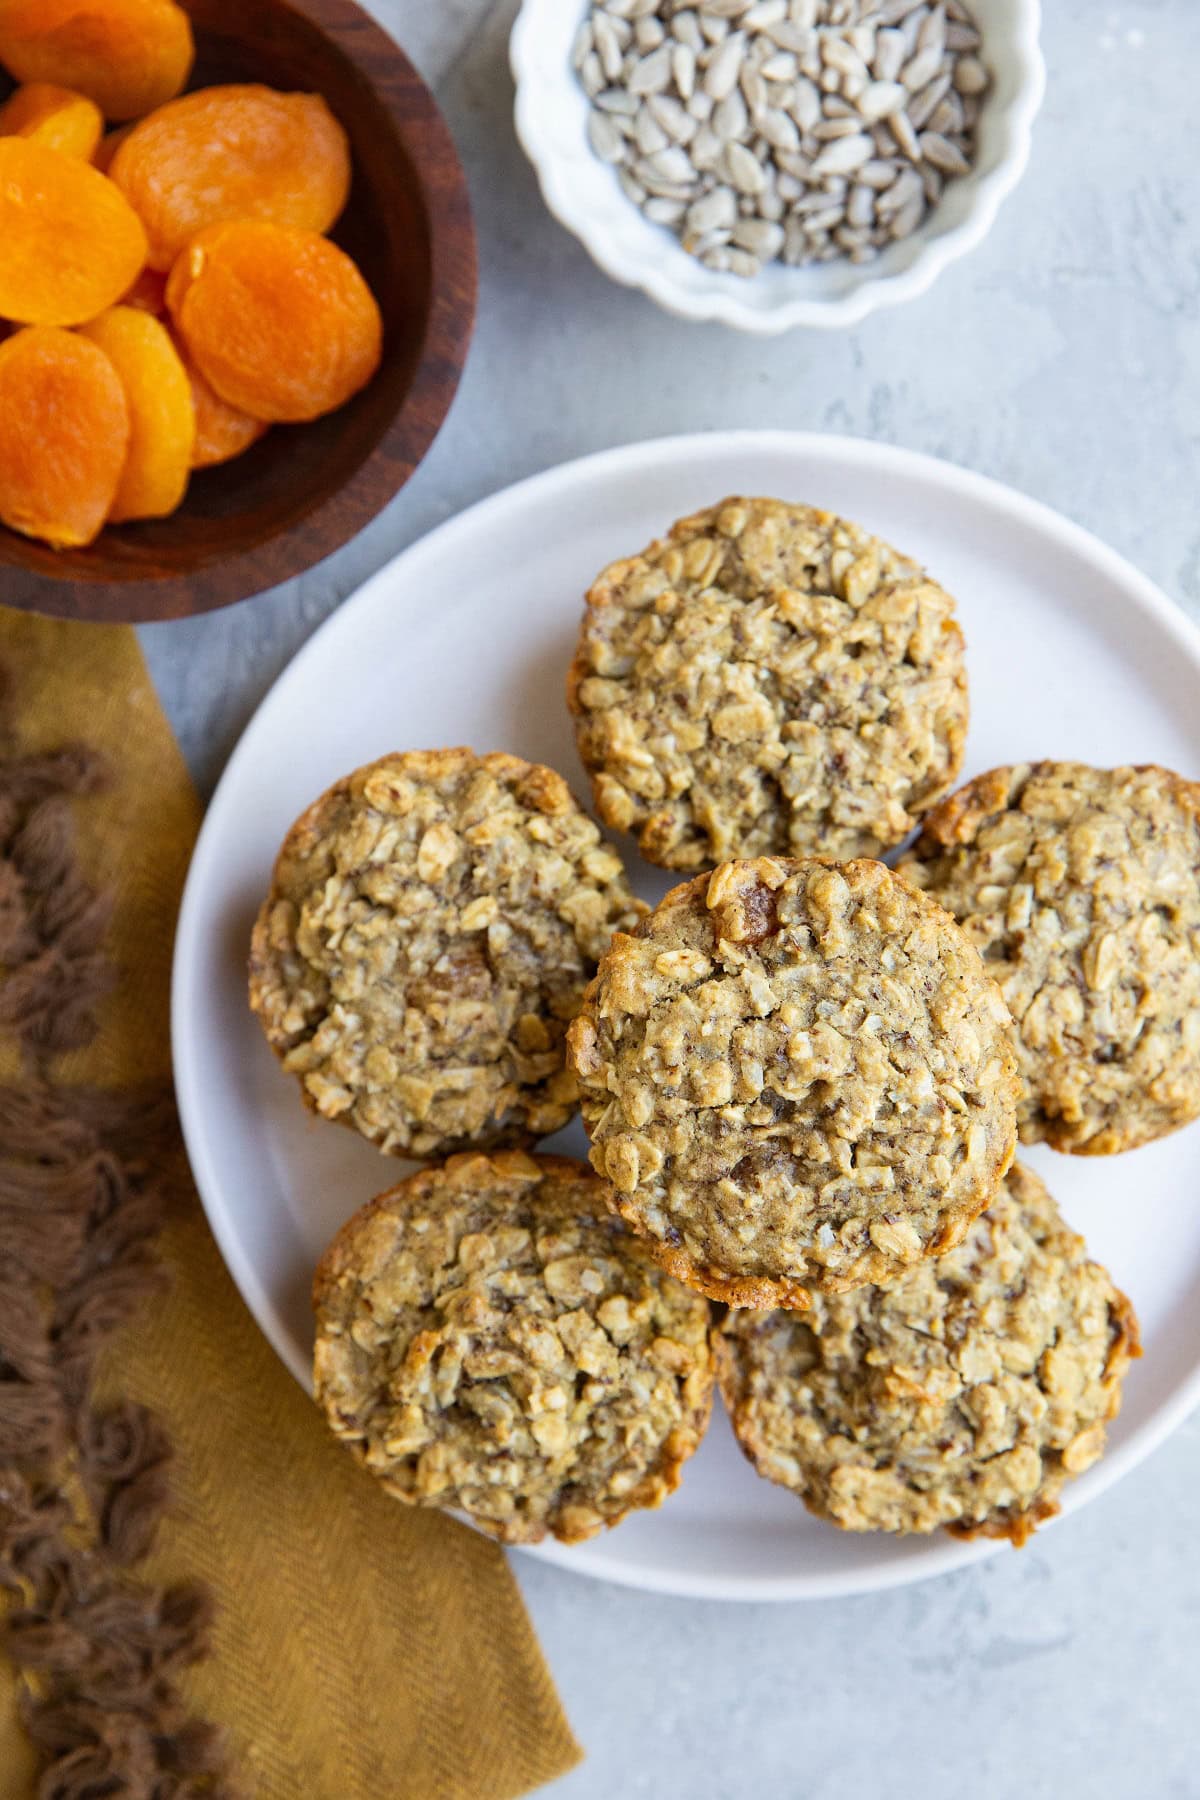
(584,195)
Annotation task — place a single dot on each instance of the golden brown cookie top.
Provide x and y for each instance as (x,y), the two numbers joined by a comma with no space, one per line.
(965,1393)
(431,925)
(1081,888)
(768,680)
(490,1338)
(796,1076)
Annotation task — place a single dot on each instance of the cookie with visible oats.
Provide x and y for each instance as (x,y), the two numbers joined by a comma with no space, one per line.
(432,923)
(769,680)
(1081,888)
(796,1076)
(966,1393)
(490,1338)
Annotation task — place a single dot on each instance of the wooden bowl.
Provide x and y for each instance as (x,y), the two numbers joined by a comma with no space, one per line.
(303,490)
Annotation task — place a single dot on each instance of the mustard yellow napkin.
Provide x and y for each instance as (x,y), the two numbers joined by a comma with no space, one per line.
(361,1651)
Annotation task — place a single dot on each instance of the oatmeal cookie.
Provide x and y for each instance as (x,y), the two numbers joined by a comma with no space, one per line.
(490,1338)
(431,925)
(796,1076)
(768,680)
(1081,888)
(965,1393)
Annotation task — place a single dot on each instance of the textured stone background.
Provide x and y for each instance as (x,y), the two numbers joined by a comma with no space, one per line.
(1064,358)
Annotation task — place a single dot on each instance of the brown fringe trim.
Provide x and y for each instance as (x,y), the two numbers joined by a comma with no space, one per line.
(82,1486)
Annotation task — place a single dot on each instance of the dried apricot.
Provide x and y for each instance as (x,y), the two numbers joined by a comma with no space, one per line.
(222,432)
(240,152)
(278,320)
(53,116)
(162,419)
(72,244)
(129,56)
(64,429)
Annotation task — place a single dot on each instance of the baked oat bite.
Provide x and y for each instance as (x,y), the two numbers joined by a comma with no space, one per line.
(490,1338)
(966,1393)
(432,922)
(796,1076)
(768,680)
(1081,888)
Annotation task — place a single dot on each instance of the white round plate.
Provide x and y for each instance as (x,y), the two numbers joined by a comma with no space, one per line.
(465,639)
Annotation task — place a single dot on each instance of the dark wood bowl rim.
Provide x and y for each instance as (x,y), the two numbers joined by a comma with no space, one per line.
(343,513)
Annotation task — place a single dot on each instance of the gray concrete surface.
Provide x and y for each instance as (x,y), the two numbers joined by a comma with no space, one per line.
(1064,358)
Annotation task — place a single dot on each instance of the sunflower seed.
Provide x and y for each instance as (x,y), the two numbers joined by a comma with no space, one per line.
(921,107)
(806,105)
(900,126)
(618,101)
(788,36)
(947,116)
(905,222)
(764,14)
(860,207)
(880,98)
(779,131)
(649,134)
(754,89)
(921,70)
(932,35)
(605,139)
(686,28)
(720,78)
(683,70)
(762,237)
(792,130)
(716,209)
(838,54)
(652,74)
(844,154)
(889,55)
(943,154)
(743,169)
(905,188)
(970,76)
(675,120)
(830,129)
(607,47)
(705,148)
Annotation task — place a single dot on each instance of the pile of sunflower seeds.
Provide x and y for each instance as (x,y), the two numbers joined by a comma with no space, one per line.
(798,130)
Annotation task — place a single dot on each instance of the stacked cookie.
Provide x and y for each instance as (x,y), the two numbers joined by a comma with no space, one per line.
(803,1075)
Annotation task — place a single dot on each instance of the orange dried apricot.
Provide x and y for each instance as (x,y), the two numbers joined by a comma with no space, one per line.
(129,56)
(70,243)
(238,152)
(64,429)
(278,320)
(148,293)
(162,419)
(222,432)
(53,116)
